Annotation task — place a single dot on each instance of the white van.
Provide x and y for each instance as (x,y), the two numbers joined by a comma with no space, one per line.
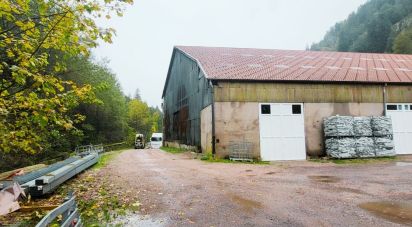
(156,140)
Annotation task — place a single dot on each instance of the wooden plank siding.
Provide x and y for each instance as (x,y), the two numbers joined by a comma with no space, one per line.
(311,93)
(186,93)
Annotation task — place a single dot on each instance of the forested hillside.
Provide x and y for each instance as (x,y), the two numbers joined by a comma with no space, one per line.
(377,26)
(112,117)
(53,95)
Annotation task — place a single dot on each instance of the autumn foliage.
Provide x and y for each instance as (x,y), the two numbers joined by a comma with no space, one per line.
(36,39)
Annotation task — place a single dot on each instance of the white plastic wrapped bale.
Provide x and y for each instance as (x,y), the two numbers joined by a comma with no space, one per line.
(362,126)
(336,126)
(341,147)
(384,146)
(365,147)
(381,126)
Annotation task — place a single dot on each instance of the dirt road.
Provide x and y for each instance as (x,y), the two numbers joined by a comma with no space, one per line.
(177,190)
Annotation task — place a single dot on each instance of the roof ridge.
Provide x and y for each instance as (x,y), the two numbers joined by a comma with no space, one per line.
(276,49)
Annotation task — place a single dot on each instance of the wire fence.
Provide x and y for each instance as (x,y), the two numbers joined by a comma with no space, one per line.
(89,149)
(241,151)
(115,146)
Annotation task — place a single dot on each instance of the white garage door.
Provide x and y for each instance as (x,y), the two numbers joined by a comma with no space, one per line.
(282,135)
(401,115)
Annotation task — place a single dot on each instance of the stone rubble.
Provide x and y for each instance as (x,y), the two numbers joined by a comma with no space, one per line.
(384,146)
(362,126)
(341,148)
(382,126)
(358,137)
(338,126)
(365,147)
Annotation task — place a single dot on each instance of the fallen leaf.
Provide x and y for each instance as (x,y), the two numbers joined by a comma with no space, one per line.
(136,204)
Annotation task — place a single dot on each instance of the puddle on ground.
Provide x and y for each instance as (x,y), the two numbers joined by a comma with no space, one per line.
(402,164)
(325,179)
(397,212)
(350,190)
(248,170)
(270,173)
(198,187)
(247,204)
(138,220)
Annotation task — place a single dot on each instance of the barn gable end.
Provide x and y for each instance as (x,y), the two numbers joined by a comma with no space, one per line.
(186,93)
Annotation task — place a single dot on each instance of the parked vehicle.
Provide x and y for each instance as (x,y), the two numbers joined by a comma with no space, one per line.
(156,140)
(139,141)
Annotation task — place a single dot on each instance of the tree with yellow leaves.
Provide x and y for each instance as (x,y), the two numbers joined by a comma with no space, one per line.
(36,36)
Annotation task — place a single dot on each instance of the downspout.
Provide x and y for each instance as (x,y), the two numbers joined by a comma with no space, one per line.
(213,119)
(384,99)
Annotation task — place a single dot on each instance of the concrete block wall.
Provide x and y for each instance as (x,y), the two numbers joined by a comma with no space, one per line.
(236,122)
(206,129)
(314,113)
(237,112)
(239,122)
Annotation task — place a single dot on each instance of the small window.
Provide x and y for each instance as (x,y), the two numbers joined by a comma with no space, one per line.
(265,109)
(156,139)
(296,109)
(391,107)
(399,107)
(410,107)
(406,107)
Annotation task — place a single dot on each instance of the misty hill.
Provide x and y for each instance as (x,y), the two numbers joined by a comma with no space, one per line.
(377,26)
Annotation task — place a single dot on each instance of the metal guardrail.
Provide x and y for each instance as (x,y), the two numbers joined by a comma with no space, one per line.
(70,215)
(114,146)
(28,181)
(47,183)
(99,148)
(36,174)
(46,180)
(89,148)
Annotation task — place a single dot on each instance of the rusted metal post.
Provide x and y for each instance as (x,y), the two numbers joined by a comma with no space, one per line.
(384,99)
(213,120)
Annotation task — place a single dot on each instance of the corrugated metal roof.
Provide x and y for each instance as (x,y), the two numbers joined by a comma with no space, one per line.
(221,63)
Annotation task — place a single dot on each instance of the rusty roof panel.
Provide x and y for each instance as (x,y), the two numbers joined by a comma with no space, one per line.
(222,63)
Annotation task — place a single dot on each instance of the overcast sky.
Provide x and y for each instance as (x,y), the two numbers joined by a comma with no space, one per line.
(146,34)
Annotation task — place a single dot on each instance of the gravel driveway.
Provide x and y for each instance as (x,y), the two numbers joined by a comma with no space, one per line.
(177,190)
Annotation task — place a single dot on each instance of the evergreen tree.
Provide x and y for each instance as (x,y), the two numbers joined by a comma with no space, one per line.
(372,28)
(403,42)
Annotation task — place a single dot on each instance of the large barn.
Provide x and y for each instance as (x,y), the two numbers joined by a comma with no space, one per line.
(275,101)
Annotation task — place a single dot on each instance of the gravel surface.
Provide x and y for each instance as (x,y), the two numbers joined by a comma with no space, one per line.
(177,190)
